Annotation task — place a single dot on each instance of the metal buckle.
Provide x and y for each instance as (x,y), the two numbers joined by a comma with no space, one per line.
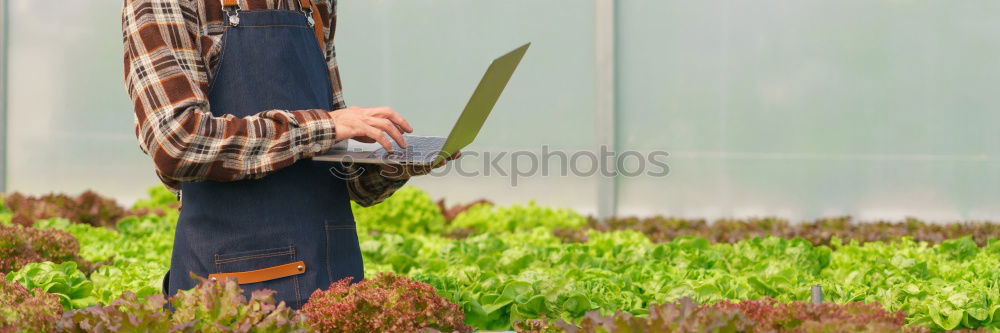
(232,13)
(309,17)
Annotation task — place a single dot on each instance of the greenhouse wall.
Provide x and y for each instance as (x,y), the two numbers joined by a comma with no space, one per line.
(800,109)
(877,109)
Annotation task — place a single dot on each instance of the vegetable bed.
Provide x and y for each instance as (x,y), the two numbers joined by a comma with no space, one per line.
(85,264)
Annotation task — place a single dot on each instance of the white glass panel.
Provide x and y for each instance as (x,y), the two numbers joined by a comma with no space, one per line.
(877,109)
(424,58)
(69,117)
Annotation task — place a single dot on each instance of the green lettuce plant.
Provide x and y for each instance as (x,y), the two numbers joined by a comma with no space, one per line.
(499,279)
(63,280)
(489,218)
(5,214)
(138,239)
(409,210)
(159,198)
(142,279)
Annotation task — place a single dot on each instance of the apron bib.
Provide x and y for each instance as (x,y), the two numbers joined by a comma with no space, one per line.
(291,231)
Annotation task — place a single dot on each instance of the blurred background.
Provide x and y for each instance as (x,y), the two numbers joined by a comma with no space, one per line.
(798,109)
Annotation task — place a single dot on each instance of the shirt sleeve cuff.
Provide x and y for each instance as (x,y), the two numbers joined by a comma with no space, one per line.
(400,180)
(394,178)
(319,126)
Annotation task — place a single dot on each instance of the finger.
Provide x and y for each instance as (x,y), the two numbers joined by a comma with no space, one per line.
(395,117)
(400,121)
(378,136)
(387,126)
(380,111)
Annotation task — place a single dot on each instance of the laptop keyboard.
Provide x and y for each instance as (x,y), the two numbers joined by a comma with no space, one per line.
(419,149)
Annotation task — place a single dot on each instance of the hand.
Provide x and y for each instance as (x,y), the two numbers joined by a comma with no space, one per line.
(370,125)
(397,171)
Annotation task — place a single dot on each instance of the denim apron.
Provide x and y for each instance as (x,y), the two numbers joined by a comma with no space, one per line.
(269,60)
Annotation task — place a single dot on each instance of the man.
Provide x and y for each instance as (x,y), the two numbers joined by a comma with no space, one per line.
(232,99)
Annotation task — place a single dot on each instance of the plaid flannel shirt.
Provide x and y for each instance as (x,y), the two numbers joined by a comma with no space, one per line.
(171,47)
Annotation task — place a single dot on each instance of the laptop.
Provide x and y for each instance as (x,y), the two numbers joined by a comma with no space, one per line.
(429,150)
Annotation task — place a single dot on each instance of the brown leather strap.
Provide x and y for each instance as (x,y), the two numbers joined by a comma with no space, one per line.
(262,275)
(317,23)
(230,3)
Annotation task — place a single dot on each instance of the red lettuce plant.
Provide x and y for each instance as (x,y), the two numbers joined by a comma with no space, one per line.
(385,303)
(221,307)
(818,232)
(209,307)
(769,315)
(681,317)
(746,316)
(87,207)
(24,311)
(22,245)
(127,314)
(453,211)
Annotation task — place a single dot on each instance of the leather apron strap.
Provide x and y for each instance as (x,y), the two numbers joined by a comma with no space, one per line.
(262,275)
(316,21)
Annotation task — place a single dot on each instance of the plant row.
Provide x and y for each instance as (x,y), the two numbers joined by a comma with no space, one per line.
(463,220)
(748,316)
(499,279)
(509,266)
(818,232)
(87,208)
(385,303)
(389,303)
(512,266)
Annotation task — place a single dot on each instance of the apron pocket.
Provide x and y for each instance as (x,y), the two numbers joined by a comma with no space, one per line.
(343,253)
(277,269)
